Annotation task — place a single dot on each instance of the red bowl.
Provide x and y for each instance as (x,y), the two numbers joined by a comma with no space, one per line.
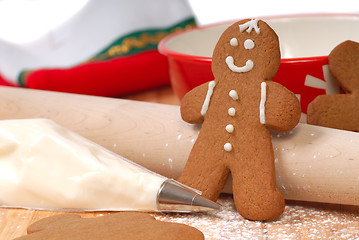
(305,44)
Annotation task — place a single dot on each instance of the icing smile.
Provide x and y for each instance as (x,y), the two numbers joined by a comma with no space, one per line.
(249,65)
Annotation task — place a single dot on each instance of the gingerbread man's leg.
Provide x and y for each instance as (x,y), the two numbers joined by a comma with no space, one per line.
(204,170)
(254,190)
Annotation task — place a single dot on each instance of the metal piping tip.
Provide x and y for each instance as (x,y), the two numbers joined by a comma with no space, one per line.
(175,197)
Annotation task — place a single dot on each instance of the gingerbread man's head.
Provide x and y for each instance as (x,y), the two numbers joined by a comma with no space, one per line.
(248,50)
(344,65)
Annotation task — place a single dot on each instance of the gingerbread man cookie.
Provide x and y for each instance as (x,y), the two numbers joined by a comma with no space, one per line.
(124,225)
(340,111)
(236,111)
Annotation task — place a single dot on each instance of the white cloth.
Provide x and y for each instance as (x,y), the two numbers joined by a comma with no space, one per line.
(89,31)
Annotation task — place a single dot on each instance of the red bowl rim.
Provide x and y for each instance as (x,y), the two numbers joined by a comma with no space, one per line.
(194,58)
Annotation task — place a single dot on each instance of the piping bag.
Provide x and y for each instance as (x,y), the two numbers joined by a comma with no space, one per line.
(312,163)
(45,166)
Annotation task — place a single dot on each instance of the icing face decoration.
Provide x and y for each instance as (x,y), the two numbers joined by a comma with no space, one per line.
(248,44)
(252,24)
(234,42)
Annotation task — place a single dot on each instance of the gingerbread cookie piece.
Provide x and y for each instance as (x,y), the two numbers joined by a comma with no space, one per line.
(124,225)
(340,111)
(236,111)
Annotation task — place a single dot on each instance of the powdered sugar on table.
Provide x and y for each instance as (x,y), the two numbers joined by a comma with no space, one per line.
(300,220)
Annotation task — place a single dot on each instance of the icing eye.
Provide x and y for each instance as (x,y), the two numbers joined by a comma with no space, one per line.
(248,44)
(234,42)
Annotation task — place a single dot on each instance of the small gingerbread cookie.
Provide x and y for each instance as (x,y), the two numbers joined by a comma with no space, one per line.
(340,111)
(237,109)
(124,225)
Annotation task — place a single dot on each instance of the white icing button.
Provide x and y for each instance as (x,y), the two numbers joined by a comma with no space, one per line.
(228,147)
(229,128)
(231,111)
(233,94)
(233,42)
(248,44)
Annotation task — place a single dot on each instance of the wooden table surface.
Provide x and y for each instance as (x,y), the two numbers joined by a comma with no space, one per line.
(301,220)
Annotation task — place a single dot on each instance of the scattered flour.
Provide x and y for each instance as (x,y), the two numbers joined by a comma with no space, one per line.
(299,221)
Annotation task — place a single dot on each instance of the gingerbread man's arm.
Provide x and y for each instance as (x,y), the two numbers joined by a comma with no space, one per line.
(282,108)
(192,104)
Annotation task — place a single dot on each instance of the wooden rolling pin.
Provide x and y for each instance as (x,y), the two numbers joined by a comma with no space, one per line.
(312,163)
